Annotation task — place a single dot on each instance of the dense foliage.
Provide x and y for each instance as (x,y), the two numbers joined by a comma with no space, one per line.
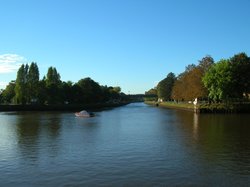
(226,80)
(189,83)
(29,89)
(165,86)
(229,79)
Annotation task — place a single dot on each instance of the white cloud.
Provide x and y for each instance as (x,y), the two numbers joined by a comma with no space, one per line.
(3,84)
(10,62)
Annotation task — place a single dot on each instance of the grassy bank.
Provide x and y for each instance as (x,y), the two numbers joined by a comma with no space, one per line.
(206,108)
(182,106)
(60,107)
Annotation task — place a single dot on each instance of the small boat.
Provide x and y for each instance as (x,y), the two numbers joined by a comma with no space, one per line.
(84,114)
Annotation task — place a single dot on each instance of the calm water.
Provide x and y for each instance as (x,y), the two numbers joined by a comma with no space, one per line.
(134,145)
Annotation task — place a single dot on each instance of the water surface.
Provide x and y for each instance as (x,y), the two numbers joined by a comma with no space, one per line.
(133,145)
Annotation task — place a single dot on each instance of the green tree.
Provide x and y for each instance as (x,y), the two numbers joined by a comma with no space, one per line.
(53,77)
(151,92)
(8,93)
(90,90)
(165,86)
(241,75)
(151,95)
(67,91)
(42,91)
(218,80)
(33,82)
(21,84)
(53,85)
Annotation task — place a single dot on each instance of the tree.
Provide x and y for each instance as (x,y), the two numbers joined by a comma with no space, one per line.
(8,93)
(178,89)
(33,82)
(67,91)
(53,77)
(165,86)
(241,74)
(205,63)
(151,92)
(195,87)
(91,90)
(53,85)
(117,89)
(189,68)
(218,80)
(189,85)
(21,84)
(42,91)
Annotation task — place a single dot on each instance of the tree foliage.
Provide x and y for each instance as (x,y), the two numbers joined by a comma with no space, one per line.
(164,87)
(8,94)
(189,85)
(33,82)
(28,89)
(218,80)
(90,90)
(229,79)
(151,92)
(240,64)
(21,85)
(53,85)
(205,63)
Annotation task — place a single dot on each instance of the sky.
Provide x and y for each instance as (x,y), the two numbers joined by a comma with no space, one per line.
(128,43)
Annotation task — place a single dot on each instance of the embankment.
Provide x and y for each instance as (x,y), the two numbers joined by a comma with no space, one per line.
(206,108)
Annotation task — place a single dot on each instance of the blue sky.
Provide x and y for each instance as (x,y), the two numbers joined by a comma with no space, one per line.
(128,43)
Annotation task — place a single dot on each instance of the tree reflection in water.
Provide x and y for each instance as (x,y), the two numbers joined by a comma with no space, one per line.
(37,128)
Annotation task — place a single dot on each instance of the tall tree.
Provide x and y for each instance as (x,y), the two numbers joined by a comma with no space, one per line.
(53,77)
(33,82)
(53,85)
(21,84)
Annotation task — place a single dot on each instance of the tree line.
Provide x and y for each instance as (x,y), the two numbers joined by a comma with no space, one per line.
(29,89)
(222,81)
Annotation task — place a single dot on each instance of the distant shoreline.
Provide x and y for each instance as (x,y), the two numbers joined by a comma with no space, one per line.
(60,107)
(205,108)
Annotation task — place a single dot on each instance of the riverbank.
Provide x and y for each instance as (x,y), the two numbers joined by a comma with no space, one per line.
(173,105)
(60,107)
(206,107)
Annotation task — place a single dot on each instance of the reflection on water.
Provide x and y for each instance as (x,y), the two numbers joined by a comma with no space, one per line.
(196,125)
(36,130)
(135,145)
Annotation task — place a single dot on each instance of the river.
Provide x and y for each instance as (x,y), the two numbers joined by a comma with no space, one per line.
(133,145)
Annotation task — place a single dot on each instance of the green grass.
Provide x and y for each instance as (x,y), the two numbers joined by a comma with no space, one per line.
(206,107)
(180,105)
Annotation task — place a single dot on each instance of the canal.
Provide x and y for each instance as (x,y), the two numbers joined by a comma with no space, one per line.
(133,145)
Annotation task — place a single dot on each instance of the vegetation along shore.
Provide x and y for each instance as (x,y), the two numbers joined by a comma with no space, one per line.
(29,92)
(222,86)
